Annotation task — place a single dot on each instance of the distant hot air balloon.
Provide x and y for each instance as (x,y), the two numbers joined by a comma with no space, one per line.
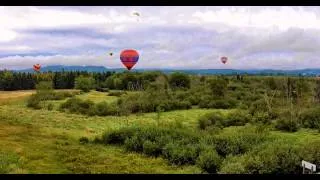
(224,59)
(136,14)
(36,67)
(129,58)
(111,54)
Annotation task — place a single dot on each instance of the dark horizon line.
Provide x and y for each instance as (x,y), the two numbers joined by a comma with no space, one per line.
(107,68)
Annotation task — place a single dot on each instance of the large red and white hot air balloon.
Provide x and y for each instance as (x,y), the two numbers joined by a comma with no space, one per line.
(129,58)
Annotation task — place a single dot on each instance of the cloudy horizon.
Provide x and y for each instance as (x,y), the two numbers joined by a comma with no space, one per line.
(183,37)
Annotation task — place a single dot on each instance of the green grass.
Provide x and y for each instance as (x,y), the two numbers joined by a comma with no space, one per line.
(42,141)
(48,142)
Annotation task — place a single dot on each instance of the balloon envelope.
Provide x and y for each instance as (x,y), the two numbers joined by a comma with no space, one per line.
(129,58)
(36,67)
(224,60)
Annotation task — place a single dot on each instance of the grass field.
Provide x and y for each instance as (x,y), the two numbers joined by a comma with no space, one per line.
(42,141)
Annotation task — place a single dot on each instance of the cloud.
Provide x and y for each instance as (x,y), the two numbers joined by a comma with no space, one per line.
(166,37)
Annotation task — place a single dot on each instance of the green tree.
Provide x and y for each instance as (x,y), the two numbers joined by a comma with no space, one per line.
(179,80)
(218,87)
(84,83)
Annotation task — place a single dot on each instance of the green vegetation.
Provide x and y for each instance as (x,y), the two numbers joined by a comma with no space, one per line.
(157,123)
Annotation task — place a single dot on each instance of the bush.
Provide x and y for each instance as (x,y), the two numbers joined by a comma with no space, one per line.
(239,141)
(76,105)
(209,160)
(118,137)
(285,124)
(179,80)
(134,144)
(34,102)
(310,118)
(261,117)
(84,140)
(50,107)
(210,119)
(209,102)
(237,118)
(84,83)
(181,154)
(102,109)
(152,148)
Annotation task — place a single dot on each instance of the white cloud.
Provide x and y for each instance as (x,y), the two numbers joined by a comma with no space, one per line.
(176,37)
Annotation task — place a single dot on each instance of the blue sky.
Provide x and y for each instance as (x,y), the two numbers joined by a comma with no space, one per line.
(166,37)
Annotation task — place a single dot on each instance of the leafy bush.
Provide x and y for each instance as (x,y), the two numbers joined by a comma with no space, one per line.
(210,119)
(238,142)
(286,124)
(134,143)
(152,148)
(50,107)
(179,80)
(181,154)
(118,137)
(84,140)
(209,160)
(237,118)
(34,102)
(84,83)
(76,105)
(261,117)
(310,118)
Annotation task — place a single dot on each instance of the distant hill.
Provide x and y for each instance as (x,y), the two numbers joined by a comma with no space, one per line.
(304,72)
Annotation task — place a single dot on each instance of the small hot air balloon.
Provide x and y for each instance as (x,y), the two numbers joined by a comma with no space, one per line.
(111,54)
(36,67)
(224,59)
(136,14)
(129,58)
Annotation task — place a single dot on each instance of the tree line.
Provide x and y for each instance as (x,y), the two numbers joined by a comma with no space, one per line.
(10,81)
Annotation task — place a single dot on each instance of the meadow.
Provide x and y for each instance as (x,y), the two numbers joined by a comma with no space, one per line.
(166,128)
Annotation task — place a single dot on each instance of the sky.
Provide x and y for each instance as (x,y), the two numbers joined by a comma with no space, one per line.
(178,37)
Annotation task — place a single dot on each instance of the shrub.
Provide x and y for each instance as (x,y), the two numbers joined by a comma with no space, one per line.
(118,137)
(50,107)
(261,117)
(237,118)
(205,101)
(209,160)
(210,119)
(84,140)
(134,143)
(238,142)
(84,83)
(34,102)
(179,80)
(152,148)
(181,154)
(286,124)
(101,109)
(310,118)
(76,105)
